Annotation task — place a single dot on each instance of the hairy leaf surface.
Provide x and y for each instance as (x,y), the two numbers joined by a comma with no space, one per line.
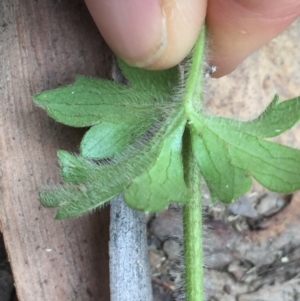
(136,131)
(90,101)
(108,139)
(104,180)
(230,152)
(163,182)
(160,84)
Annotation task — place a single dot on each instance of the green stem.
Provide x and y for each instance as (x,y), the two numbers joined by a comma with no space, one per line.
(192,211)
(192,219)
(194,84)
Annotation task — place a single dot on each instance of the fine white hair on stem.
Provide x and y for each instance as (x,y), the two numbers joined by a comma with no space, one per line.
(179,292)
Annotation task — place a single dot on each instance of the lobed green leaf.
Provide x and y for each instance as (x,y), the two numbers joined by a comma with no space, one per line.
(229,152)
(76,200)
(225,181)
(276,119)
(78,170)
(107,139)
(90,101)
(160,84)
(163,182)
(139,127)
(99,183)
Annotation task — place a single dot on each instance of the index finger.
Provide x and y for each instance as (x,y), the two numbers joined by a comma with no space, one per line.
(239,27)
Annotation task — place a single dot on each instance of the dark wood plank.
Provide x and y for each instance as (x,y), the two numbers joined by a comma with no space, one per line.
(45,44)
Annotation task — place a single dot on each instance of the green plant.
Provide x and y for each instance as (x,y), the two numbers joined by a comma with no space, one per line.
(150,140)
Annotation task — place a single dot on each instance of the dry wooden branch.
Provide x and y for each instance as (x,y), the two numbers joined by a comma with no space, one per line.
(129,264)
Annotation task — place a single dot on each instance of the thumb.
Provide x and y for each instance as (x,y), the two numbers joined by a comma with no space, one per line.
(154,34)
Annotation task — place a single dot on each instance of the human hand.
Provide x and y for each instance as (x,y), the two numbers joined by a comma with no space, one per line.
(158,34)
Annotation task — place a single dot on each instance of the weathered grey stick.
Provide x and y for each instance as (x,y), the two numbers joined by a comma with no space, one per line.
(130,278)
(129,264)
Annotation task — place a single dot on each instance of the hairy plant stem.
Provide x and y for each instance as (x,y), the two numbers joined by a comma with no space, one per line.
(193,245)
(194,83)
(192,211)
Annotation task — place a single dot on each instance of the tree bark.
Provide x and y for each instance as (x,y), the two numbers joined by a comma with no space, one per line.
(43,45)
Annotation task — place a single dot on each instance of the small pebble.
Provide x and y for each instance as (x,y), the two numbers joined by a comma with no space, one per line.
(271,204)
(227,289)
(167,224)
(244,207)
(156,259)
(172,249)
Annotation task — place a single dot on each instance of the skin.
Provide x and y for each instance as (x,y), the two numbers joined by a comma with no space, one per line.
(158,34)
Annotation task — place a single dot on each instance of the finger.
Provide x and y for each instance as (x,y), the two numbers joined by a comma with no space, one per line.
(154,34)
(239,27)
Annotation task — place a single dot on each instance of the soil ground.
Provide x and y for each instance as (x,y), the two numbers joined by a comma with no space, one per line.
(252,250)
